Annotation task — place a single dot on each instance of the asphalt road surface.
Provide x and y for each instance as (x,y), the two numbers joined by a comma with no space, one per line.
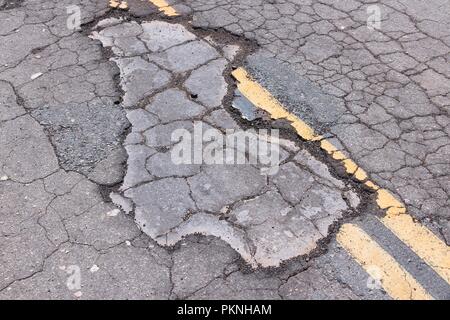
(122,175)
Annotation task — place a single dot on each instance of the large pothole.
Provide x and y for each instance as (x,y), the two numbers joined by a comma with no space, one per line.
(269,209)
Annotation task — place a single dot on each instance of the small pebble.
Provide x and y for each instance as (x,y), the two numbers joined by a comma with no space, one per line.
(36,75)
(94,268)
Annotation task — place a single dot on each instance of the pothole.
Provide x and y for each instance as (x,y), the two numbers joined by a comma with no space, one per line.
(186,176)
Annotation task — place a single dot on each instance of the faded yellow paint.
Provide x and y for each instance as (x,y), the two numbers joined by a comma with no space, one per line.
(427,245)
(396,281)
(262,99)
(350,166)
(339,155)
(387,201)
(114,4)
(372,185)
(422,241)
(302,128)
(328,147)
(259,96)
(360,174)
(165,8)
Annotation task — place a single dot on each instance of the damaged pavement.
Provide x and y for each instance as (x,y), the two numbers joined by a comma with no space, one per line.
(88,188)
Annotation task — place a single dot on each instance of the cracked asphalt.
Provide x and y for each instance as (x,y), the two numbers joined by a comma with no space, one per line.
(92,205)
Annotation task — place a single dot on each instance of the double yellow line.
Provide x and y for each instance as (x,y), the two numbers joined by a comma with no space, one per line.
(397,282)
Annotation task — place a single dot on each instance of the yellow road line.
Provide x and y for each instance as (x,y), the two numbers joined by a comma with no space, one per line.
(427,245)
(422,241)
(396,281)
(165,8)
